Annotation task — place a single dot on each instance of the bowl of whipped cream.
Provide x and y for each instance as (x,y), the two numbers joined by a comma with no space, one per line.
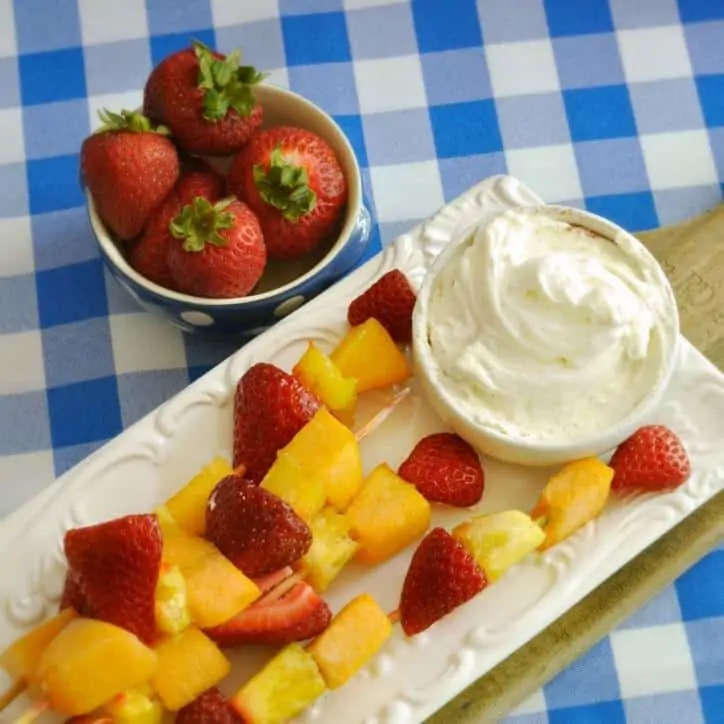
(546,335)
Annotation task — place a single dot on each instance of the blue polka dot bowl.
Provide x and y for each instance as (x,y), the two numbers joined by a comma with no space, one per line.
(285,285)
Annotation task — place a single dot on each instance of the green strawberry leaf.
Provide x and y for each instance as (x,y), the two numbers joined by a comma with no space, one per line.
(200,223)
(132,121)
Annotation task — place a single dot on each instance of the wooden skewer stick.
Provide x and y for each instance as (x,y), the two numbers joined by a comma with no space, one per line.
(33,713)
(12,693)
(376,420)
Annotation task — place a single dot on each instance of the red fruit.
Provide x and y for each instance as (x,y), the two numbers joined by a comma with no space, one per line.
(116,565)
(73,597)
(297,615)
(258,532)
(292,180)
(129,168)
(442,576)
(445,469)
(268,581)
(218,249)
(652,459)
(204,182)
(270,408)
(211,707)
(206,99)
(390,300)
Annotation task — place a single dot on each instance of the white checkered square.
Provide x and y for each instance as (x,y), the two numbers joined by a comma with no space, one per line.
(143,342)
(17,257)
(108,22)
(22,477)
(521,68)
(113,102)
(654,53)
(551,171)
(21,360)
(674,160)
(12,147)
(390,84)
(407,191)
(8,44)
(227,13)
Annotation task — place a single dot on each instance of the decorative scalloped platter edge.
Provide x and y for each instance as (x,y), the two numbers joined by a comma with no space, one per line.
(410,678)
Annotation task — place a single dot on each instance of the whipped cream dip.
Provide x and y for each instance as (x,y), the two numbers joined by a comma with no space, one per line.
(545,331)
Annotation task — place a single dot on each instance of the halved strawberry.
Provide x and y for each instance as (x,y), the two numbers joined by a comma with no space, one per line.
(258,532)
(390,300)
(211,707)
(445,469)
(295,613)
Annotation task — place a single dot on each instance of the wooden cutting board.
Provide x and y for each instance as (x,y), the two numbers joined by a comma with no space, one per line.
(692,254)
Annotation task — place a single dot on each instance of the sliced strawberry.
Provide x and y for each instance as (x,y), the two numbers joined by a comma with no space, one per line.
(116,566)
(211,707)
(297,615)
(271,580)
(652,459)
(442,576)
(390,300)
(445,469)
(270,408)
(258,532)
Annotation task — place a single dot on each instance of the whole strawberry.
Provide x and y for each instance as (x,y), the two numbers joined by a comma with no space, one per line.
(292,180)
(129,167)
(442,576)
(206,99)
(390,300)
(116,566)
(258,532)
(445,469)
(652,459)
(218,249)
(200,180)
(211,707)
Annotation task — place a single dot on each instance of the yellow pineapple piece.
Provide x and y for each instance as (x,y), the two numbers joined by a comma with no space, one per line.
(355,635)
(327,455)
(135,706)
(387,515)
(188,664)
(500,540)
(21,658)
(172,610)
(319,374)
(216,590)
(331,549)
(368,354)
(287,685)
(89,662)
(188,505)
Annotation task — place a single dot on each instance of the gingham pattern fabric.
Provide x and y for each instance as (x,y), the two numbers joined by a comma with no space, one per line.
(612,105)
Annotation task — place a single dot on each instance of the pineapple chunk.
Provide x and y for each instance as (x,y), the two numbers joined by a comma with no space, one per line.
(369,355)
(135,706)
(172,611)
(387,515)
(188,506)
(500,540)
(355,635)
(89,662)
(319,374)
(331,549)
(188,664)
(303,490)
(287,685)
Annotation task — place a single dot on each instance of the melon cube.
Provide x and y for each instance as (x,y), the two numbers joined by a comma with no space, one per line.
(302,489)
(135,706)
(387,515)
(171,604)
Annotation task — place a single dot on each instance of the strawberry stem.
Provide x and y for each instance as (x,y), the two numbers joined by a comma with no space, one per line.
(285,186)
(394,616)
(225,83)
(131,121)
(200,223)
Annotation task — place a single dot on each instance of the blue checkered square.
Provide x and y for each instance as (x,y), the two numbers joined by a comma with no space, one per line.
(696,11)
(506,22)
(40,28)
(18,303)
(456,76)
(14,196)
(706,638)
(261,43)
(77,352)
(676,205)
(383,31)
(74,421)
(142,392)
(305,7)
(331,86)
(462,129)
(119,301)
(541,718)
(375,245)
(352,127)
(57,75)
(700,592)
(711,93)
(655,112)
(644,13)
(712,702)
(532,120)
(163,45)
(661,610)
(614,166)
(716,138)
(65,458)
(594,17)
(310,39)
(71,293)
(597,113)
(24,423)
(588,61)
(41,124)
(609,712)
(390,230)
(207,353)
(446,26)
(117,67)
(460,173)
(9,83)
(177,16)
(706,50)
(634,212)
(62,237)
(398,137)
(670,708)
(53,183)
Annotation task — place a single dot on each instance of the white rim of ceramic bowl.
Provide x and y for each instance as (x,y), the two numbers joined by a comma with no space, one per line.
(618,432)
(352,212)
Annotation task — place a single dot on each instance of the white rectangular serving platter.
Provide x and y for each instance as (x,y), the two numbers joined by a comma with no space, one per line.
(410,678)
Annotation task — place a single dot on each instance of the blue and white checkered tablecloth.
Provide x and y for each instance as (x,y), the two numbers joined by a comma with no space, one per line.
(613,105)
